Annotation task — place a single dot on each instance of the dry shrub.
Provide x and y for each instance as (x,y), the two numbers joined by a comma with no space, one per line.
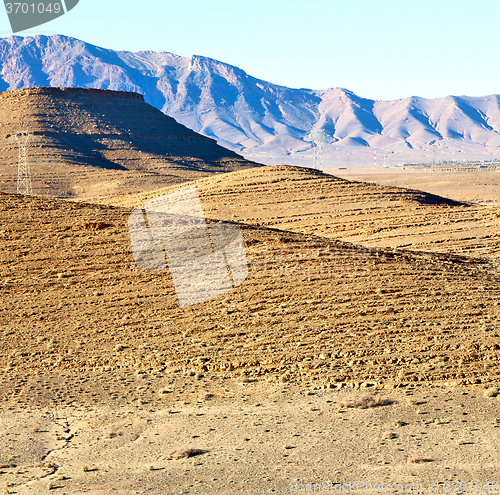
(95,226)
(284,240)
(363,401)
(110,434)
(418,459)
(248,380)
(184,453)
(205,396)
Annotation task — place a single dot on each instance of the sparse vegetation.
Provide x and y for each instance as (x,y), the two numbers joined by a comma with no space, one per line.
(185,452)
(382,328)
(364,401)
(205,396)
(418,459)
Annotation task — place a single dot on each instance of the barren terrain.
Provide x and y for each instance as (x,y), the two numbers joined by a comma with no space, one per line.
(352,287)
(366,213)
(91,144)
(386,288)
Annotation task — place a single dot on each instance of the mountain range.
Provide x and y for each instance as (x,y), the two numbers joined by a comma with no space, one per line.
(260,120)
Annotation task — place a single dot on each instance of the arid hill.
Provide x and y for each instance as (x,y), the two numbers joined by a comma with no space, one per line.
(310,202)
(312,310)
(108,385)
(91,144)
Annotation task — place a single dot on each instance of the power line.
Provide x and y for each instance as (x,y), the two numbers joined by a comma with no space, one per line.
(24,185)
(317,142)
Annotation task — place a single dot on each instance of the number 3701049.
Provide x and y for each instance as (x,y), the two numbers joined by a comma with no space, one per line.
(33,8)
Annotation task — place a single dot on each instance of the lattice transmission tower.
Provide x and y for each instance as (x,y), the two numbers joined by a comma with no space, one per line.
(317,138)
(24,185)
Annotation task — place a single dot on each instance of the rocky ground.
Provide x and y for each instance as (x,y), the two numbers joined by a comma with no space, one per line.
(367,213)
(104,375)
(252,437)
(89,144)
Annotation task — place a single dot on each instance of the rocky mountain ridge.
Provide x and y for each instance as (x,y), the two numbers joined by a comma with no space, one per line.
(257,118)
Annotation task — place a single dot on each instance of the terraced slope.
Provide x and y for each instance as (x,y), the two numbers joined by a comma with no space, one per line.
(92,144)
(313,203)
(313,310)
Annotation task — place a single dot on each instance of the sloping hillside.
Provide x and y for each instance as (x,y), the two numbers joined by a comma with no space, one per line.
(313,203)
(91,143)
(312,310)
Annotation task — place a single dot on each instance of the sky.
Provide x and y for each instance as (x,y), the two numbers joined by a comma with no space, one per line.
(381,49)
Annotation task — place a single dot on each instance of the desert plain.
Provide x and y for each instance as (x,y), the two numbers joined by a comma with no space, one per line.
(361,348)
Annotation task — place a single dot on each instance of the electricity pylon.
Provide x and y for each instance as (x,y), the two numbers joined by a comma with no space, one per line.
(24,185)
(403,164)
(435,154)
(347,156)
(317,142)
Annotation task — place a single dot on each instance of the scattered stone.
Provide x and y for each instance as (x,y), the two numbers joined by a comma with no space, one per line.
(185,452)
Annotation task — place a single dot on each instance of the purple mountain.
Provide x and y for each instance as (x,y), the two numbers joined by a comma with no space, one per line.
(259,119)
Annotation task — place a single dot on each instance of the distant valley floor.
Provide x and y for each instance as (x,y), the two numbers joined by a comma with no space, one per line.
(477,187)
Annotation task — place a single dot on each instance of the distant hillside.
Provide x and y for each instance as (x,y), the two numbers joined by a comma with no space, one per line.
(258,118)
(306,201)
(91,144)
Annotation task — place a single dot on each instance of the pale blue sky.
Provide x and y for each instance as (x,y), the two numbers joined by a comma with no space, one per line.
(381,49)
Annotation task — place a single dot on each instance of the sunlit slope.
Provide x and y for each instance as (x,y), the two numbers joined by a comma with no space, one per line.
(313,309)
(311,202)
(91,144)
